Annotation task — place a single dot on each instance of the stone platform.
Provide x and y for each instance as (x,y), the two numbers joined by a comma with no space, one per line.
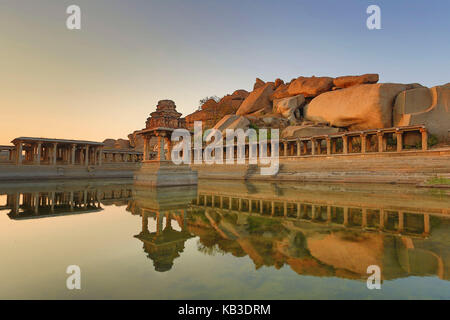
(410,167)
(11,172)
(164,173)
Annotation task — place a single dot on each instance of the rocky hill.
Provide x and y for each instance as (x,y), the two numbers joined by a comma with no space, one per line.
(321,105)
(308,106)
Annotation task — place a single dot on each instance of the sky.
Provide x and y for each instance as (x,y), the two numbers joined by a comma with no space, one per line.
(104,80)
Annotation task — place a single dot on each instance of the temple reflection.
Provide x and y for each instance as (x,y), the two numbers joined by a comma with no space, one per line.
(31,201)
(165,244)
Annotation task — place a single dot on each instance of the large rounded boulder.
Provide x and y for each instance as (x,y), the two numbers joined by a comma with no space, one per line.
(350,81)
(257,100)
(367,106)
(310,86)
(427,106)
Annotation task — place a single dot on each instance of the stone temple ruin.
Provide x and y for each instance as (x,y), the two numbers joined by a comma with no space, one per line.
(323,118)
(160,170)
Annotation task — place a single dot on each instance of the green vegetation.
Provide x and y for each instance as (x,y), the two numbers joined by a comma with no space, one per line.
(432,140)
(256,128)
(260,224)
(438,180)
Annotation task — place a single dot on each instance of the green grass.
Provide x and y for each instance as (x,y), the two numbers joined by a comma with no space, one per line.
(438,180)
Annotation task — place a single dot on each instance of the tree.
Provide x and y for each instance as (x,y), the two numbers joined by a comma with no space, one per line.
(202,101)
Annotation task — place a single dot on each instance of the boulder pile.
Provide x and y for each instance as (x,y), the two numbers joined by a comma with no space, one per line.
(308,105)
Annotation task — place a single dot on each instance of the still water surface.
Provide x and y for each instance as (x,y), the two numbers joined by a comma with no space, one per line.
(223,240)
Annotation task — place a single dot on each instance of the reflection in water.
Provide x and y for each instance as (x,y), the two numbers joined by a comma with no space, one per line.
(316,229)
(276,225)
(165,244)
(38,201)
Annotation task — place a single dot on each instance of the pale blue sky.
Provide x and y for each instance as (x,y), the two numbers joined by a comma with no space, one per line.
(104,80)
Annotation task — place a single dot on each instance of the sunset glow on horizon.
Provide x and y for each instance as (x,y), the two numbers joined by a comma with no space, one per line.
(103,80)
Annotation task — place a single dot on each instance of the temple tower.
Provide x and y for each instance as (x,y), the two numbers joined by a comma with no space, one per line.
(161,171)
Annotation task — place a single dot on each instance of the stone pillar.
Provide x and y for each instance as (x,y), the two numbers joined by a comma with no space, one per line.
(401,221)
(363,143)
(86,157)
(381,142)
(169,148)
(426,224)
(399,135)
(344,144)
(313,147)
(382,218)
(328,146)
(285,149)
(364,218)
(345,216)
(146,157)
(329,214)
(19,157)
(161,154)
(350,145)
(85,202)
(168,220)
(424,139)
(38,153)
(55,147)
(333,146)
(36,202)
(72,154)
(100,156)
(159,223)
(299,148)
(305,147)
(52,195)
(71,200)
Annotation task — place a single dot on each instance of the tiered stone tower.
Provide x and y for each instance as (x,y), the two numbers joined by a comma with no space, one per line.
(165,116)
(162,171)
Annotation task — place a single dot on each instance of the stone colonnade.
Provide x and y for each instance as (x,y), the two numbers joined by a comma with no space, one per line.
(52,152)
(23,204)
(382,219)
(10,152)
(121,156)
(342,143)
